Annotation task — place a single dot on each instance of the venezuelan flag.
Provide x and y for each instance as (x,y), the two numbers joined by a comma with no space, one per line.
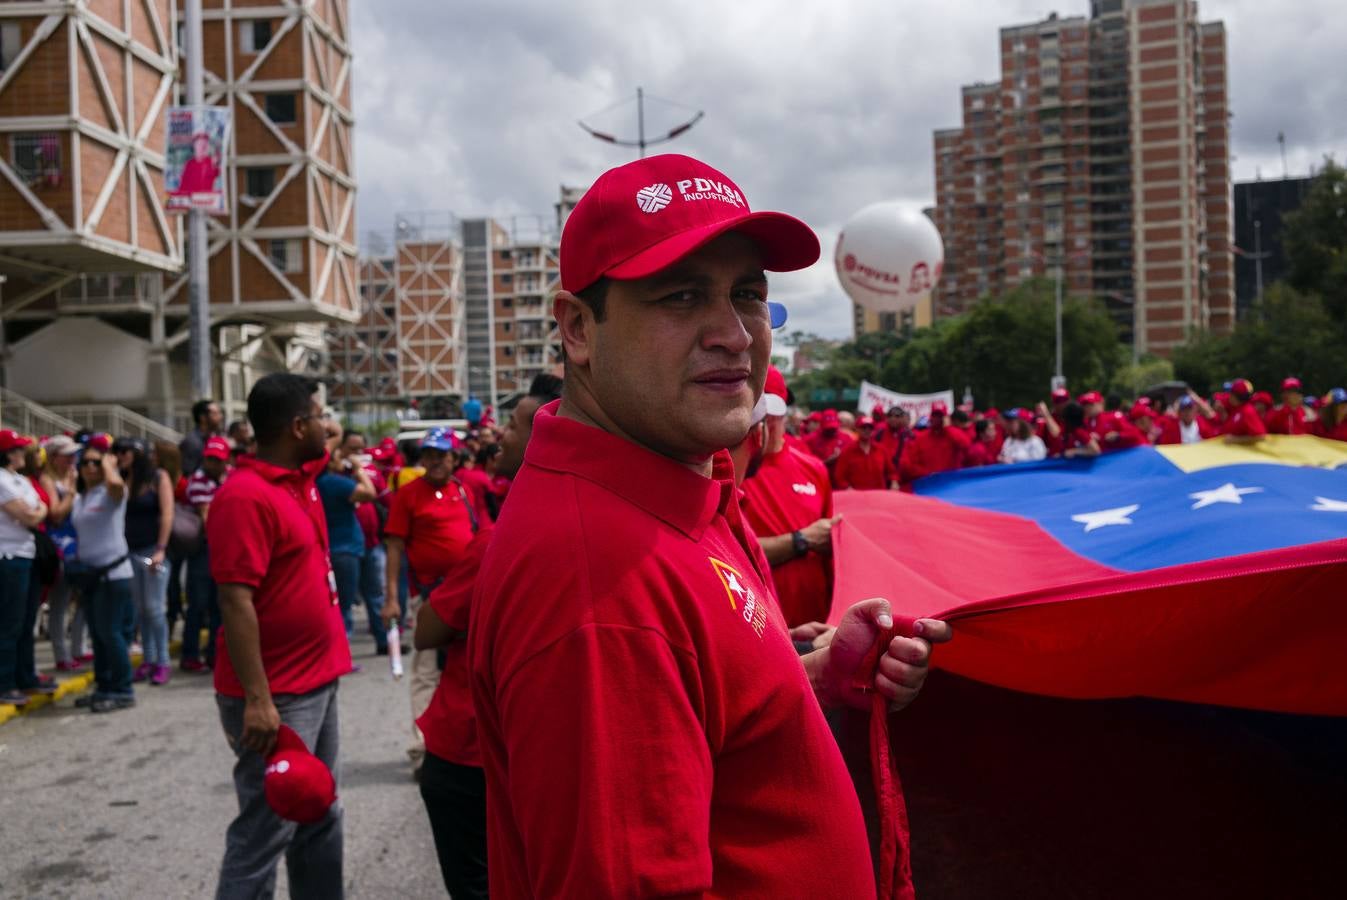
(1211,573)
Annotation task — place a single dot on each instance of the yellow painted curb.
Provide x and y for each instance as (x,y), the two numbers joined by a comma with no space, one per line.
(76,684)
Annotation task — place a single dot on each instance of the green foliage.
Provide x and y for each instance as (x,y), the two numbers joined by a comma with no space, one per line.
(1289,333)
(1003,349)
(1133,378)
(1315,240)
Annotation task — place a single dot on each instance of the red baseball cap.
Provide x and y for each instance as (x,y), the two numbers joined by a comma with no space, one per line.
(647,215)
(829,419)
(216,447)
(865,422)
(1262,397)
(1241,388)
(815,416)
(1061,395)
(1291,384)
(1140,409)
(100,442)
(938,408)
(992,413)
(877,411)
(776,383)
(298,785)
(1089,397)
(12,440)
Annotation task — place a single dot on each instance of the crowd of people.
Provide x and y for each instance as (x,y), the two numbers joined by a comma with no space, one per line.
(888,449)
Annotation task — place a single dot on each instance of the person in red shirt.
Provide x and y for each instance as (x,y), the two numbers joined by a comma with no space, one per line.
(453,785)
(1186,426)
(1144,421)
(1244,423)
(283,645)
(980,450)
(1291,417)
(1332,422)
(937,449)
(200,171)
(788,502)
(430,524)
(864,466)
(695,759)
(897,432)
(830,440)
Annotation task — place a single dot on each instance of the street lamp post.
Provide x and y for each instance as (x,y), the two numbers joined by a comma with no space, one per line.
(1058,317)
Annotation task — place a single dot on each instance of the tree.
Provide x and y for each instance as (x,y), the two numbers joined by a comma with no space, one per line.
(1132,379)
(1315,240)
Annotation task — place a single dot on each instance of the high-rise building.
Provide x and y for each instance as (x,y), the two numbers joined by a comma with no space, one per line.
(1103,150)
(93,265)
(1260,258)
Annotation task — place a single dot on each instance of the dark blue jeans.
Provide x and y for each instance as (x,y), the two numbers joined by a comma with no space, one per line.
(346,569)
(15,578)
(373,566)
(203,608)
(112,617)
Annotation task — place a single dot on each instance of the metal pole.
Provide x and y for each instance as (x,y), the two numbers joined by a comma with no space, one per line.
(1058,317)
(198,288)
(640,119)
(1258,255)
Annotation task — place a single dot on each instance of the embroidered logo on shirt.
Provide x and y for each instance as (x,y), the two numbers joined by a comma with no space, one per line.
(807,488)
(742,598)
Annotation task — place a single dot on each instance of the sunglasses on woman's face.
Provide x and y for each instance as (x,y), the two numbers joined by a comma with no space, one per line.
(92,461)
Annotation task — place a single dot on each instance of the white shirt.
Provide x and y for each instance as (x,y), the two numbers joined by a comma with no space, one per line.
(15,538)
(1015,450)
(101,527)
(1189,434)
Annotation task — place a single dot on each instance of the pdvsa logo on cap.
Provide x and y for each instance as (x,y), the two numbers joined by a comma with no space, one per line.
(653,198)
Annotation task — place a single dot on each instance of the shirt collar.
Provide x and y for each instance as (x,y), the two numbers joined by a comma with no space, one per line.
(279,474)
(662,487)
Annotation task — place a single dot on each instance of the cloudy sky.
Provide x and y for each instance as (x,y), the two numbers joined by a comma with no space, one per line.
(815,108)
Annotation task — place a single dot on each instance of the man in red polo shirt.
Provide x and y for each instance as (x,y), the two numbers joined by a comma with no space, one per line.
(864,466)
(788,502)
(646,725)
(431,523)
(830,440)
(1244,425)
(283,645)
(937,449)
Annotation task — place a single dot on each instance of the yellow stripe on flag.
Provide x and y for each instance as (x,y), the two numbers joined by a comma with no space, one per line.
(1275,449)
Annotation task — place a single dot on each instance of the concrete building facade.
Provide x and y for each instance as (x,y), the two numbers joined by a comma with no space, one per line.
(1103,149)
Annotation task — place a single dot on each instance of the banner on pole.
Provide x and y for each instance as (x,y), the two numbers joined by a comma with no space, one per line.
(195,158)
(917,404)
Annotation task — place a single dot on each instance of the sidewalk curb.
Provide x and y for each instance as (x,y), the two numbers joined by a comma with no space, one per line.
(77,684)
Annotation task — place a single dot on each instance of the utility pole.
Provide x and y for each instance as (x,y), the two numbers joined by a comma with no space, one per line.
(1258,256)
(1281,139)
(198,288)
(1058,317)
(641,141)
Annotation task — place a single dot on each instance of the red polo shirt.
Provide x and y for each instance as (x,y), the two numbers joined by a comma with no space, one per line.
(864,470)
(448,724)
(267,530)
(1285,420)
(646,726)
(1244,421)
(789,492)
(435,525)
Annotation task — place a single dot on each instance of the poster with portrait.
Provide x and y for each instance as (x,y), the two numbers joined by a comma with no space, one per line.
(198,138)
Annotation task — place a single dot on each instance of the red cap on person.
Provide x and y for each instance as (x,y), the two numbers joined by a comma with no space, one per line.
(865,422)
(298,785)
(815,416)
(992,413)
(1241,388)
(100,442)
(1220,398)
(1061,395)
(1262,397)
(1140,410)
(216,448)
(646,215)
(776,383)
(830,420)
(1291,384)
(12,440)
(938,408)
(1090,397)
(877,411)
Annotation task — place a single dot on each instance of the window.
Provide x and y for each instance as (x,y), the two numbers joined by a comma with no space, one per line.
(259,182)
(37,158)
(509,351)
(888,321)
(280,108)
(254,35)
(506,278)
(506,302)
(506,327)
(287,255)
(11,43)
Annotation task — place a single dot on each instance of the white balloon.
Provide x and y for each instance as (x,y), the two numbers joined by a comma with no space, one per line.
(889,257)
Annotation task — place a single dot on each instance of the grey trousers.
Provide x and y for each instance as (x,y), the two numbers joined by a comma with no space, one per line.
(257,837)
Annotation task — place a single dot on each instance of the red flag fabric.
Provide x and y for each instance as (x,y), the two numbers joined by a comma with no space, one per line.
(1261,630)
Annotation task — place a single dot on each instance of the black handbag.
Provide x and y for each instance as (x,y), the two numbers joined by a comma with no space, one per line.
(47,560)
(86,578)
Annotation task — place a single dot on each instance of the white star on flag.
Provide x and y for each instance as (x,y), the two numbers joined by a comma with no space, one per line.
(1226,493)
(1327,504)
(1105,517)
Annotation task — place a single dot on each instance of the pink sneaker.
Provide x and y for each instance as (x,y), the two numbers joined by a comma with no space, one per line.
(142,672)
(85,657)
(69,666)
(160,675)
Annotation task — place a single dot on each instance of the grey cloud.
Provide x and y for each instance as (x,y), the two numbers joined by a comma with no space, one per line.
(814,108)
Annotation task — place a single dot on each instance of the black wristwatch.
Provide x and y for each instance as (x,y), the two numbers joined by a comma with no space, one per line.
(798,542)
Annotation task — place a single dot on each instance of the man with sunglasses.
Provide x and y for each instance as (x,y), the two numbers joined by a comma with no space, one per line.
(283,646)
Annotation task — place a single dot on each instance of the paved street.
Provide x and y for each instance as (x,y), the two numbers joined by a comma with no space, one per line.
(135,803)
